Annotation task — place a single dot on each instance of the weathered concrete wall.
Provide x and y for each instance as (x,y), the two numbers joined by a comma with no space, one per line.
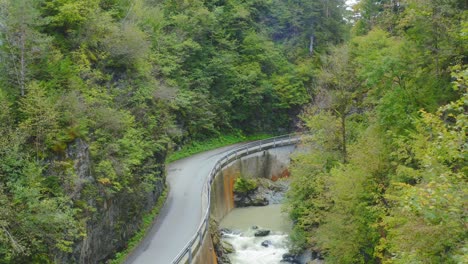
(271,164)
(207,254)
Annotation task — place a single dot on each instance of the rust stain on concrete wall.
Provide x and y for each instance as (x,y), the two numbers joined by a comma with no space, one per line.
(207,254)
(229,176)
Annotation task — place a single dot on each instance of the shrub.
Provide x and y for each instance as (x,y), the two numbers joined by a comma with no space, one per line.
(244,186)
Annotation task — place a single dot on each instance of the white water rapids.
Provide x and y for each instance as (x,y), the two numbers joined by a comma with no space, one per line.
(248,248)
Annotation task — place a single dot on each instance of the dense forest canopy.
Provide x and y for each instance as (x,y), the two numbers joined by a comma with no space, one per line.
(386,180)
(93,94)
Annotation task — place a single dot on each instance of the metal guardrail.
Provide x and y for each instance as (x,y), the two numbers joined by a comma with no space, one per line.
(192,247)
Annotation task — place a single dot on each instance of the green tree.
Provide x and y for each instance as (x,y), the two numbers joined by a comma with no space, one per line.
(426,223)
(35,224)
(309,198)
(433,25)
(67,16)
(350,231)
(40,118)
(337,83)
(23,45)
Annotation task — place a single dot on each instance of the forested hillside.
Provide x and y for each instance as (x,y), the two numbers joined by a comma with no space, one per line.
(386,180)
(94,94)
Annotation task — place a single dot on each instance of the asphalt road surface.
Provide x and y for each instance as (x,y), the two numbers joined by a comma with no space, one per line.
(182,214)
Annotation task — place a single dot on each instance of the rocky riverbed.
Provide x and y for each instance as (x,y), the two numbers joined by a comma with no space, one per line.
(256,232)
(250,247)
(267,192)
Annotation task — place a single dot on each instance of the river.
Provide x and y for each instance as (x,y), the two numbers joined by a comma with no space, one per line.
(244,222)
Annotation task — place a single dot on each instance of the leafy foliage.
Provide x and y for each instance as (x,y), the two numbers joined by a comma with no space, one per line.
(433,207)
(398,196)
(244,186)
(95,93)
(224,140)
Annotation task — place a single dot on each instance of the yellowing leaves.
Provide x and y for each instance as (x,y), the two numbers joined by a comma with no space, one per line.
(104,181)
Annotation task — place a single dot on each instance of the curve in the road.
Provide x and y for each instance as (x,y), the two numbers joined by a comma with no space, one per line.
(182,214)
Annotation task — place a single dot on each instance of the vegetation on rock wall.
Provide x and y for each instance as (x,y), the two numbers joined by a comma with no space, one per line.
(94,93)
(244,186)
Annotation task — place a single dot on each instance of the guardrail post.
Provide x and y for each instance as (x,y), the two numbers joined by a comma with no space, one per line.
(189,249)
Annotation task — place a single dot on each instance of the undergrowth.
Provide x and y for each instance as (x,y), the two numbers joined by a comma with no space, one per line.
(221,141)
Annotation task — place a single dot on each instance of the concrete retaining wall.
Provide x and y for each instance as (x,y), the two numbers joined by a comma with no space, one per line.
(271,164)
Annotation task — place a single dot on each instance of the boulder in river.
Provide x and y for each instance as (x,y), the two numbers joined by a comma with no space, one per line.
(259,201)
(225,231)
(227,247)
(262,233)
(250,200)
(266,243)
(224,260)
(290,258)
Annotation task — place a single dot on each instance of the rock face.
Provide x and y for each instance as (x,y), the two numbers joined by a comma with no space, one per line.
(267,192)
(273,191)
(250,200)
(110,219)
(222,248)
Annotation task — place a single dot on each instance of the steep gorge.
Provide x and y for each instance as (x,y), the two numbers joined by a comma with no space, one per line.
(95,93)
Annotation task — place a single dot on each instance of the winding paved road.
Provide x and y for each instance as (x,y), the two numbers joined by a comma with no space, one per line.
(180,217)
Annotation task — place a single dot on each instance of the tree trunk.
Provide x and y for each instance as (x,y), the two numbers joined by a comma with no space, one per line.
(311,46)
(22,63)
(343,135)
